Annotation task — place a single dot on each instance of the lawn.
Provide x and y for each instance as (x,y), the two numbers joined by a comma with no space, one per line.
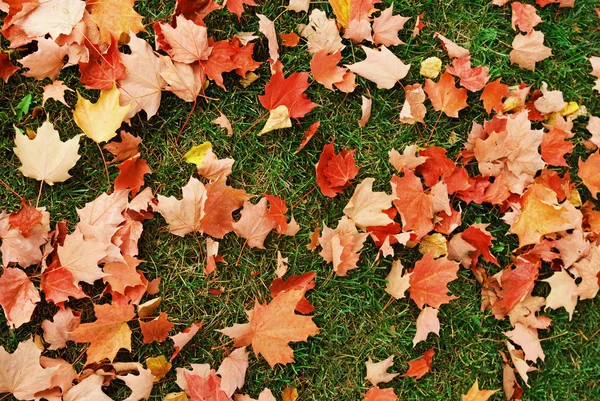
(351,311)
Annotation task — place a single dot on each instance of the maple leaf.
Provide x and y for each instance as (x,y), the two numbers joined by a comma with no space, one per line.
(365,109)
(527,338)
(233,371)
(453,50)
(334,172)
(516,284)
(55,90)
(529,49)
(288,92)
(474,79)
(108,334)
(427,322)
(195,10)
(57,284)
(377,372)
(325,70)
(445,96)
(475,394)
(272,326)
(80,258)
(492,96)
(554,146)
(115,18)
(100,121)
(279,118)
(131,175)
(419,367)
(140,384)
(121,275)
(221,201)
(413,204)
(254,225)
(429,279)
(46,158)
(22,376)
(143,83)
(277,211)
(126,149)
(183,216)
(303,282)
(413,109)
(588,172)
(342,246)
(90,388)
(157,329)
(366,208)
(541,214)
(103,69)
(397,282)
(380,394)
(187,42)
(226,56)
(237,6)
(184,80)
(381,67)
(205,388)
(18,297)
(58,331)
(289,39)
(46,62)
(524,16)
(181,339)
(54,17)
(386,27)
(321,33)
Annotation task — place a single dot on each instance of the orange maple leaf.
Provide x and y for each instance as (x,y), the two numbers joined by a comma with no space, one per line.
(429,279)
(445,96)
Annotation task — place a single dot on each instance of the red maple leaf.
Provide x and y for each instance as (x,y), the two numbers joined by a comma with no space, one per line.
(302,282)
(288,92)
(102,71)
(429,279)
(492,96)
(334,172)
(226,56)
(131,175)
(419,367)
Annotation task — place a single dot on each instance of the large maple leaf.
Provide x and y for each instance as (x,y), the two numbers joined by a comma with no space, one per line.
(115,18)
(272,326)
(18,297)
(445,96)
(541,214)
(21,374)
(367,208)
(46,158)
(288,92)
(54,17)
(381,67)
(108,334)
(529,49)
(186,43)
(255,224)
(429,279)
(81,258)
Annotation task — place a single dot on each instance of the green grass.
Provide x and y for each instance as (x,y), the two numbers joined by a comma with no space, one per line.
(348,310)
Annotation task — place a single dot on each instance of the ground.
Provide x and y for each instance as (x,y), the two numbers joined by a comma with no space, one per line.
(349,310)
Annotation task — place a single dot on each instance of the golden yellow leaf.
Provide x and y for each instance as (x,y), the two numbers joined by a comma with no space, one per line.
(158,366)
(100,121)
(196,154)
(289,394)
(341,9)
(434,242)
(475,394)
(180,396)
(116,18)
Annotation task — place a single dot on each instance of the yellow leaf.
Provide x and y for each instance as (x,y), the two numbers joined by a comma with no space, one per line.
(436,243)
(431,67)
(176,397)
(100,121)
(341,9)
(279,118)
(570,108)
(289,394)
(196,154)
(116,18)
(475,394)
(250,77)
(158,366)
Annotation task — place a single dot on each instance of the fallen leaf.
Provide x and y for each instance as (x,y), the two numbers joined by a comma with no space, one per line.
(429,279)
(377,371)
(427,322)
(381,67)
(529,49)
(366,208)
(419,367)
(181,339)
(445,96)
(157,329)
(475,394)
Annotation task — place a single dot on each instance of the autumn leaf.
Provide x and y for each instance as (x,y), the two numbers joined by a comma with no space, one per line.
(321,33)
(181,339)
(303,282)
(386,27)
(429,279)
(413,204)
(272,326)
(126,149)
(254,225)
(334,172)
(184,216)
(58,331)
(325,70)
(46,158)
(187,42)
(474,393)
(233,371)
(427,322)
(381,67)
(115,18)
(380,394)
(419,367)
(108,334)
(18,297)
(366,208)
(529,49)
(156,329)
(342,246)
(102,70)
(7,68)
(492,96)
(56,90)
(221,201)
(205,388)
(288,92)
(22,374)
(445,96)
(377,372)
(588,172)
(100,121)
